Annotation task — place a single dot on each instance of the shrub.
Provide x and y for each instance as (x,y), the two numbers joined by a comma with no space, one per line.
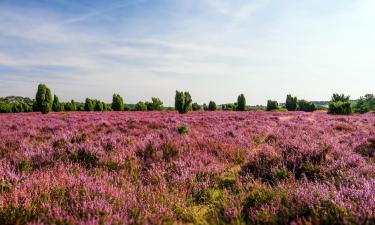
(272,105)
(56,105)
(99,106)
(361,106)
(43,99)
(340,108)
(306,106)
(89,105)
(340,98)
(85,158)
(140,106)
(196,107)
(117,103)
(229,107)
(155,105)
(70,106)
(241,103)
(212,106)
(183,130)
(5,107)
(182,102)
(291,103)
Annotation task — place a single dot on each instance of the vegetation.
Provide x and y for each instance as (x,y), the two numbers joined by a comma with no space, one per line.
(56,105)
(365,104)
(212,106)
(183,102)
(117,103)
(241,103)
(140,106)
(272,105)
(340,105)
(43,99)
(306,106)
(196,107)
(291,103)
(155,105)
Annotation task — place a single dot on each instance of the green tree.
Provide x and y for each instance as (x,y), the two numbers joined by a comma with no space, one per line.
(98,106)
(241,103)
(291,103)
(140,106)
(183,102)
(272,105)
(340,105)
(155,105)
(196,107)
(89,105)
(306,106)
(117,103)
(362,106)
(340,98)
(212,106)
(43,99)
(56,105)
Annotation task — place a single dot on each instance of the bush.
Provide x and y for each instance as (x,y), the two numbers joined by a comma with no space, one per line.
(117,103)
(182,102)
(361,106)
(155,105)
(70,106)
(340,108)
(229,107)
(183,130)
(291,103)
(89,105)
(43,99)
(241,103)
(272,105)
(140,106)
(306,106)
(212,106)
(196,107)
(5,107)
(99,106)
(340,98)
(56,105)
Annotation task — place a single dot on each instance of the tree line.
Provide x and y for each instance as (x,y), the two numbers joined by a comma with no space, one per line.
(44,102)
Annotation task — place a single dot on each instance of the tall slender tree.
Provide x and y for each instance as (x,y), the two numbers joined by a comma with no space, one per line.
(241,103)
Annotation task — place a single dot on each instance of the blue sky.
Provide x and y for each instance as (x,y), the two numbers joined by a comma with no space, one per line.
(216,49)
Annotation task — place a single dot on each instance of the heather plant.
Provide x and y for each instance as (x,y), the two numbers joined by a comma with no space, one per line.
(183,102)
(212,106)
(117,103)
(291,103)
(241,103)
(272,105)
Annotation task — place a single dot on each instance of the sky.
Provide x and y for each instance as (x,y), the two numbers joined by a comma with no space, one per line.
(215,49)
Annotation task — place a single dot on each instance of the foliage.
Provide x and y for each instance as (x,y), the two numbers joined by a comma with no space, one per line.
(56,105)
(70,106)
(241,103)
(140,106)
(89,105)
(43,99)
(272,105)
(155,105)
(183,102)
(340,108)
(306,106)
(229,107)
(291,103)
(212,106)
(117,103)
(340,98)
(196,107)
(183,130)
(365,104)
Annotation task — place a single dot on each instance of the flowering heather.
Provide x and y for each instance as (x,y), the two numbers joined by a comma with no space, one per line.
(225,168)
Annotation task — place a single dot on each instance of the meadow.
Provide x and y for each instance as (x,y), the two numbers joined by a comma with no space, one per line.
(216,167)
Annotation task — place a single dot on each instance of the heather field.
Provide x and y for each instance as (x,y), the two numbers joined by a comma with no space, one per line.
(198,168)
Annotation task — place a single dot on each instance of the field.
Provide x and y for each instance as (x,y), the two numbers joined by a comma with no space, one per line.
(202,167)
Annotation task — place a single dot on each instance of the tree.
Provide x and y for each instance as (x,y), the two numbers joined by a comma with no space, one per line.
(272,105)
(340,98)
(241,103)
(212,106)
(43,99)
(362,106)
(98,106)
(140,106)
(183,102)
(117,103)
(306,106)
(340,105)
(89,105)
(291,103)
(196,107)
(155,105)
(56,105)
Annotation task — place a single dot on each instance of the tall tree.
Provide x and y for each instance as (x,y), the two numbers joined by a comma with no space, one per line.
(212,106)
(117,103)
(43,99)
(291,103)
(241,103)
(56,105)
(183,102)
